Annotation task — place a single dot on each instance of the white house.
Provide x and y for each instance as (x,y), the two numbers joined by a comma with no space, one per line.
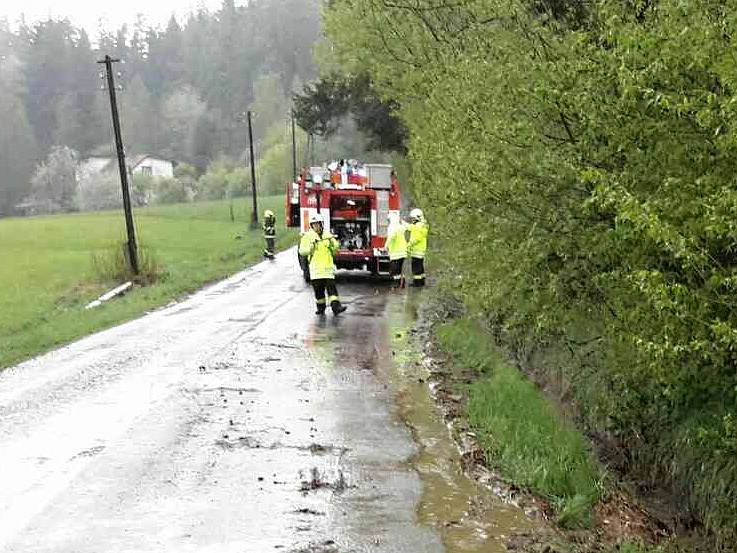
(151,166)
(141,164)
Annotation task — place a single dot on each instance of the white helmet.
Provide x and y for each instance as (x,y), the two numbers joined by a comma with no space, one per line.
(315,218)
(416,213)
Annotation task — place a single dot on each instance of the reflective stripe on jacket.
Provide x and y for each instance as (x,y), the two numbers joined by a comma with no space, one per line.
(417,246)
(269,227)
(320,252)
(396,242)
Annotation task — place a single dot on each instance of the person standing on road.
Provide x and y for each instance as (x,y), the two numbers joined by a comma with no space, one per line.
(396,246)
(417,247)
(319,247)
(304,264)
(269,227)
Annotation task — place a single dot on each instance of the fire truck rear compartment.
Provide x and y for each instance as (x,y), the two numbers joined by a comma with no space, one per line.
(350,221)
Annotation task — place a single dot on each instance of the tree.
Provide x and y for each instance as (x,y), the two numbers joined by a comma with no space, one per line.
(323,104)
(287,29)
(54,184)
(181,114)
(576,161)
(99,191)
(50,65)
(17,144)
(139,118)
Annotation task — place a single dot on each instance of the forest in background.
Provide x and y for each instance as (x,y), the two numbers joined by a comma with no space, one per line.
(184,92)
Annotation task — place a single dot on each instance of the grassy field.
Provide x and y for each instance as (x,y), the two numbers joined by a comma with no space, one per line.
(51,266)
(524,437)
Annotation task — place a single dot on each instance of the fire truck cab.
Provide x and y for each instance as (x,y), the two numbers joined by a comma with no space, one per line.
(355,201)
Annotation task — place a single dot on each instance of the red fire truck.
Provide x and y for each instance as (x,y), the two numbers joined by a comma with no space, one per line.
(355,201)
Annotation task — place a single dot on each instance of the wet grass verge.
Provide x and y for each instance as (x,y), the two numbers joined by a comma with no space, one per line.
(522,434)
(52,266)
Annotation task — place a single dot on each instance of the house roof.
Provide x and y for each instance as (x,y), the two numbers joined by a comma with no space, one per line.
(111,162)
(135,161)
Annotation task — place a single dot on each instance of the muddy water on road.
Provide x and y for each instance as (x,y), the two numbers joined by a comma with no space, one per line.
(375,338)
(237,422)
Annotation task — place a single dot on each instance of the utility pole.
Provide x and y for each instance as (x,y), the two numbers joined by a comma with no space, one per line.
(132,247)
(294,151)
(254,214)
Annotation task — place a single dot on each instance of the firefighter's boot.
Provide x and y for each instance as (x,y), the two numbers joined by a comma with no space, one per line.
(338,307)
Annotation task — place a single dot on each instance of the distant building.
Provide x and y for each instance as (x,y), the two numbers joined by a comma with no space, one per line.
(91,170)
(151,166)
(137,165)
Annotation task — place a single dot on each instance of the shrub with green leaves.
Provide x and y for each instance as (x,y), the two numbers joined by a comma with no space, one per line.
(224,179)
(577,165)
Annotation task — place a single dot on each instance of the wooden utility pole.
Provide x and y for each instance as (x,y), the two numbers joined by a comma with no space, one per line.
(132,247)
(254,214)
(294,151)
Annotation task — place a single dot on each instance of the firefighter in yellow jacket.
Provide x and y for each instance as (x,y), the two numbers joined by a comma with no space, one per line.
(319,247)
(417,246)
(396,246)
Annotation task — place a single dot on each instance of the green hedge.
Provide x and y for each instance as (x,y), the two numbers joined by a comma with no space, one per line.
(578,166)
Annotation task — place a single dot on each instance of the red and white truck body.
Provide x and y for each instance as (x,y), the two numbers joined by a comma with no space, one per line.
(355,201)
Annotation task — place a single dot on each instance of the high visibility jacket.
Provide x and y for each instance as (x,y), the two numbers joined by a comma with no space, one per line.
(417,246)
(396,242)
(269,227)
(320,253)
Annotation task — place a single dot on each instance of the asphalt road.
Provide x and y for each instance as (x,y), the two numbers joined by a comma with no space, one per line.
(233,421)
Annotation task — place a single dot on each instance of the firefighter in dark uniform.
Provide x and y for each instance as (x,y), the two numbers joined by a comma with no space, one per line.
(269,227)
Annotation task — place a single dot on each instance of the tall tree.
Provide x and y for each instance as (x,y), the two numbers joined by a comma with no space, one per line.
(139,118)
(17,144)
(323,104)
(181,115)
(49,67)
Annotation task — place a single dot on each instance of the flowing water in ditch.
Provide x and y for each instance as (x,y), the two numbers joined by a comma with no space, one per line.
(467,516)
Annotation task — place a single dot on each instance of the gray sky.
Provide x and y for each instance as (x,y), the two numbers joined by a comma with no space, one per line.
(87,13)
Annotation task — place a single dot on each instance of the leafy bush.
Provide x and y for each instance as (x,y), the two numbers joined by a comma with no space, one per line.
(577,165)
(175,190)
(54,182)
(142,189)
(223,179)
(99,191)
(275,169)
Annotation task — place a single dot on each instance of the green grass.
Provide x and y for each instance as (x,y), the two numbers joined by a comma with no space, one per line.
(47,273)
(632,547)
(524,437)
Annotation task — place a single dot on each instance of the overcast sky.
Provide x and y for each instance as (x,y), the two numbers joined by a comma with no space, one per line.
(88,13)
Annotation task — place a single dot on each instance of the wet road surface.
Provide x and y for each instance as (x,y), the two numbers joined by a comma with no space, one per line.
(238,421)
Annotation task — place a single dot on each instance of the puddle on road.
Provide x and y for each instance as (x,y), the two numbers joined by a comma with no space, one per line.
(375,336)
